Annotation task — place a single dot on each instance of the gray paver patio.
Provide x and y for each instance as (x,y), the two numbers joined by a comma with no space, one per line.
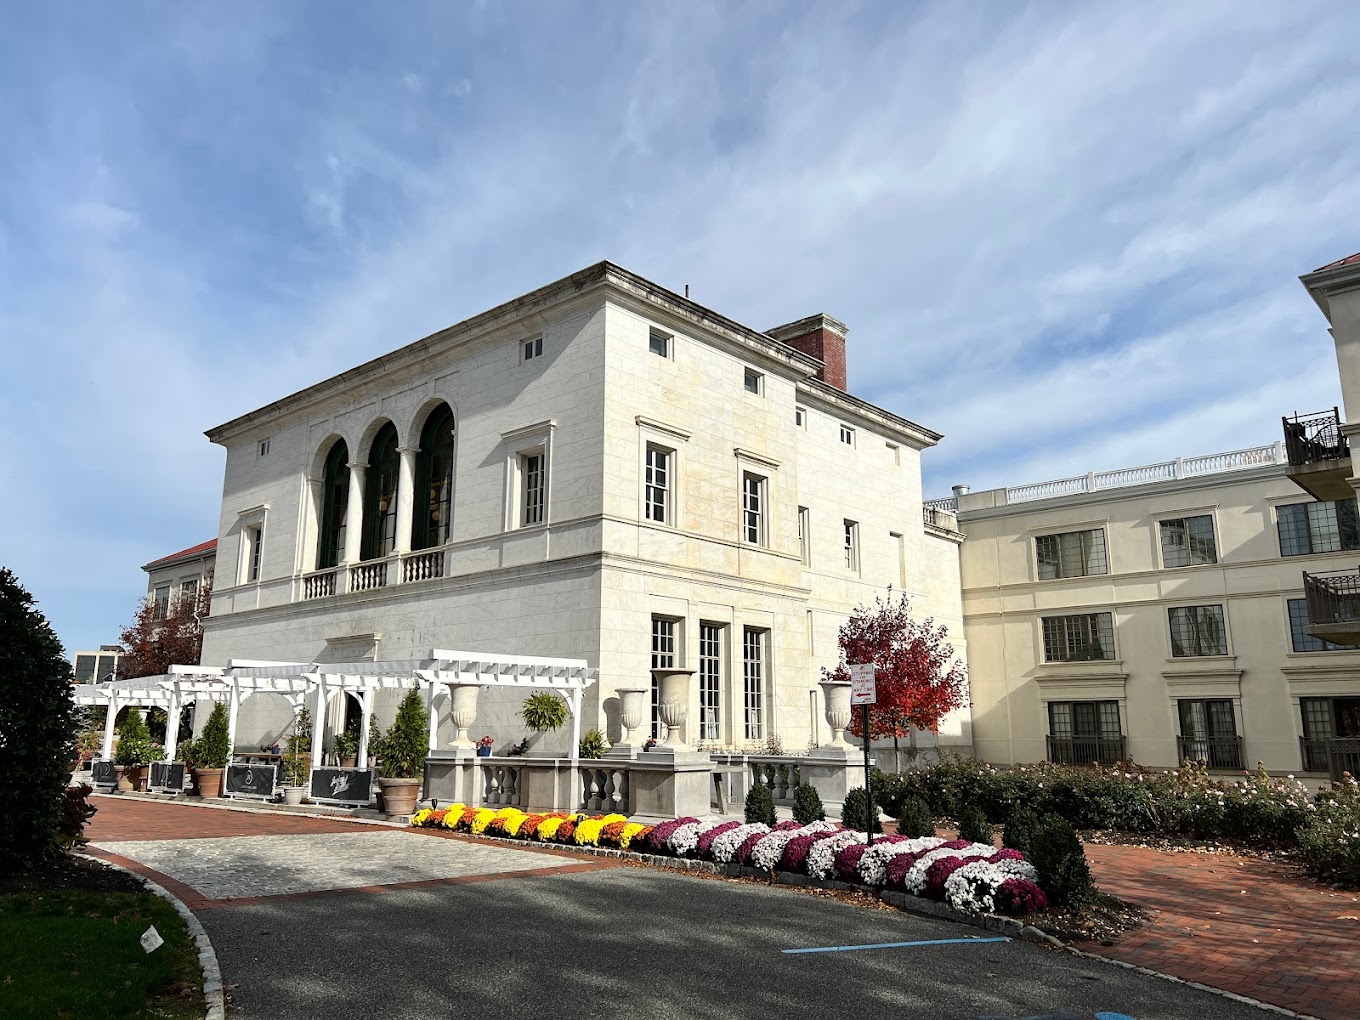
(234,867)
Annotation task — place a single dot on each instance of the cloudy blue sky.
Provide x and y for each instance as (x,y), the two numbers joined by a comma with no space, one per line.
(1067,236)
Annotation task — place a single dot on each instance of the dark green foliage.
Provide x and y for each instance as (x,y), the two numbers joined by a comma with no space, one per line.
(760,805)
(401,751)
(76,810)
(1329,848)
(858,813)
(543,711)
(37,730)
(807,805)
(1060,859)
(135,746)
(593,744)
(973,825)
(914,818)
(213,748)
(1020,829)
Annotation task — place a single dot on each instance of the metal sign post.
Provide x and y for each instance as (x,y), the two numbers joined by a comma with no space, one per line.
(864,691)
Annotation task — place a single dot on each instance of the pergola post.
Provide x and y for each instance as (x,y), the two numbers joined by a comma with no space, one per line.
(233,707)
(366,701)
(576,723)
(434,714)
(172,723)
(106,752)
(319,720)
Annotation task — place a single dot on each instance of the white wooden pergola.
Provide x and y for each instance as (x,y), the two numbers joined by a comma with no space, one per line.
(297,681)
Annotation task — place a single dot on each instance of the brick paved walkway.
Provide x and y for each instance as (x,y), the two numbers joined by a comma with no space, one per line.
(210,857)
(1240,924)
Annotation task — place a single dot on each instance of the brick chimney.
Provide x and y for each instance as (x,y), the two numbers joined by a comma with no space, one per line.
(820,337)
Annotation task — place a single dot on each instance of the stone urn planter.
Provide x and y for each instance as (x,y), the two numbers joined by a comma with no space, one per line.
(399,795)
(836,702)
(292,795)
(463,712)
(673,703)
(209,782)
(631,700)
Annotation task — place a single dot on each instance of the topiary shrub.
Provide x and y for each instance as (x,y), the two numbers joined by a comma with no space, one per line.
(914,818)
(135,746)
(37,730)
(807,805)
(973,825)
(403,748)
(593,745)
(1059,858)
(858,813)
(1020,829)
(213,746)
(760,805)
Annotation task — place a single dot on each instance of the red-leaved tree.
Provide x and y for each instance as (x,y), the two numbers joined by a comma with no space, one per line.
(918,679)
(152,644)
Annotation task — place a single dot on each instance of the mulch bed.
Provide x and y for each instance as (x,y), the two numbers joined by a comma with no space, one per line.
(74,873)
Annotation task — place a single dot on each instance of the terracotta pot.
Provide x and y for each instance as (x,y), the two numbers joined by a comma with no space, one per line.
(399,795)
(209,782)
(132,777)
(349,763)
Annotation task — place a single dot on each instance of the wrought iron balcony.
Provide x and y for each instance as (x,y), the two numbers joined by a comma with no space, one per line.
(1086,750)
(1334,605)
(1334,755)
(1216,752)
(1319,455)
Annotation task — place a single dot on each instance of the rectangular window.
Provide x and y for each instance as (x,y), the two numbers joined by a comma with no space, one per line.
(659,343)
(753,681)
(847,435)
(753,381)
(533,348)
(1209,732)
(1071,554)
(663,656)
(895,452)
(161,608)
(1086,637)
(1197,630)
(1188,541)
(753,508)
(264,447)
(710,680)
(656,496)
(85,665)
(1317,527)
(255,537)
(1300,639)
(534,488)
(800,417)
(851,545)
(1082,732)
(804,530)
(106,668)
(900,544)
(188,591)
(1324,720)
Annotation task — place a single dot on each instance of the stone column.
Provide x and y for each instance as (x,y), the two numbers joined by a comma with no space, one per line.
(406,487)
(354,513)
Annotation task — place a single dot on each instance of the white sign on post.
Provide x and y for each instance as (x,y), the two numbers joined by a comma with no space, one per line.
(863,688)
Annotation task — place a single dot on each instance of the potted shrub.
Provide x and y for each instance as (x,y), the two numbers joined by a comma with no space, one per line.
(401,755)
(210,753)
(593,745)
(484,747)
(346,748)
(297,758)
(136,750)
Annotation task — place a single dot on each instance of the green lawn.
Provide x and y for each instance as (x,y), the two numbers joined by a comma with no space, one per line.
(70,953)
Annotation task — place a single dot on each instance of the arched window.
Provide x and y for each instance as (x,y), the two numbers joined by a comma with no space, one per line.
(334,505)
(380,495)
(433,520)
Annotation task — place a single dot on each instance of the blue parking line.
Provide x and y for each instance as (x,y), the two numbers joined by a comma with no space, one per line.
(897,945)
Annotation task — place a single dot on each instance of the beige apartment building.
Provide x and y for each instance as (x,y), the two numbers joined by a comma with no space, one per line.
(1156,613)
(181,575)
(599,470)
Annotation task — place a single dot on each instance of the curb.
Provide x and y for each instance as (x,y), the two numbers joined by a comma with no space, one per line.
(207,956)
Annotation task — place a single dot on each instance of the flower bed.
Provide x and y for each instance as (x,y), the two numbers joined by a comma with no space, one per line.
(968,876)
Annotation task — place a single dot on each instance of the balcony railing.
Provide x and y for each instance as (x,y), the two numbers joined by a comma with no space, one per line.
(1333,755)
(1086,750)
(1315,438)
(1216,752)
(399,568)
(939,518)
(1333,597)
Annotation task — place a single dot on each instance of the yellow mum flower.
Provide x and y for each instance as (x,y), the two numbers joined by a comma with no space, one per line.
(481,820)
(548,828)
(453,815)
(421,817)
(512,825)
(588,832)
(629,832)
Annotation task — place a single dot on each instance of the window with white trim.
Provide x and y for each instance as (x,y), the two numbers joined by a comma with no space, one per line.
(658,485)
(804,532)
(753,382)
(753,511)
(533,490)
(1071,554)
(659,343)
(161,602)
(710,680)
(753,682)
(1188,541)
(851,545)
(254,551)
(663,657)
(1318,527)
(264,447)
(847,435)
(1197,630)
(532,349)
(800,417)
(1081,637)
